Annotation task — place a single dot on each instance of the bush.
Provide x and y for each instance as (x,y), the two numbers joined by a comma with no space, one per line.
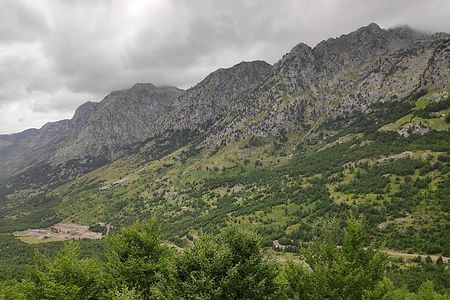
(434,249)
(230,266)
(350,272)
(285,241)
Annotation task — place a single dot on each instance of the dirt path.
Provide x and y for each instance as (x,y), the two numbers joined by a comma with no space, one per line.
(282,257)
(414,255)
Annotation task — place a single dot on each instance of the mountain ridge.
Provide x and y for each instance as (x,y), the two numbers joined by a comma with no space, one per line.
(307,87)
(300,76)
(41,143)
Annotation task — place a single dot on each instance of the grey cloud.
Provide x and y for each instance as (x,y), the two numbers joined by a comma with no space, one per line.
(21,22)
(211,28)
(54,55)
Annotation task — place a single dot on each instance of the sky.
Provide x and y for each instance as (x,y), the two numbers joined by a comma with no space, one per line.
(58,54)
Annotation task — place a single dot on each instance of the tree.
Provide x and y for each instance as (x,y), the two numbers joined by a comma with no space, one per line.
(137,259)
(14,290)
(66,277)
(425,292)
(126,294)
(230,266)
(348,272)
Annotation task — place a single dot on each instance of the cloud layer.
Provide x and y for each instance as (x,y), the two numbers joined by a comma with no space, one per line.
(55,55)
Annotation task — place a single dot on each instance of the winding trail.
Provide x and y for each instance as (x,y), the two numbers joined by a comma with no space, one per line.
(414,255)
(390,252)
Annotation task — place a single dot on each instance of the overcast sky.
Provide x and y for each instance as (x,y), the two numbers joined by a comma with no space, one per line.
(57,54)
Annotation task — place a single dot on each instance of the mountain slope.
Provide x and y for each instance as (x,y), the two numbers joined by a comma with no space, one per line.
(371,138)
(338,79)
(205,103)
(357,125)
(97,133)
(397,183)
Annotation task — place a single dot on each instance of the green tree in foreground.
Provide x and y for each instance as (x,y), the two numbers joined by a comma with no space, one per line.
(137,258)
(348,272)
(356,270)
(230,266)
(66,277)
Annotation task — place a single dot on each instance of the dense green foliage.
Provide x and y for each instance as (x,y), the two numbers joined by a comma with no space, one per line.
(17,256)
(232,265)
(136,257)
(351,272)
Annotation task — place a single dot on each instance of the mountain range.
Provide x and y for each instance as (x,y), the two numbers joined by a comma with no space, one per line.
(182,154)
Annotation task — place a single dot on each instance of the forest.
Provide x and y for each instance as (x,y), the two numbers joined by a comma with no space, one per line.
(338,263)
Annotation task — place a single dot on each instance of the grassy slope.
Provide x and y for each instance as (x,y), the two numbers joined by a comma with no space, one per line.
(404,197)
(400,186)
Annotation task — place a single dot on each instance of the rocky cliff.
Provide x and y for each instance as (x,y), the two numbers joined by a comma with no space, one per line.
(98,132)
(337,80)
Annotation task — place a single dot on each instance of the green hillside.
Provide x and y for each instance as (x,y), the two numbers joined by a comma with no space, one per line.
(398,183)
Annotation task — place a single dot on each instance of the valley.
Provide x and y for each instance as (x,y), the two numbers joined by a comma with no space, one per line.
(357,127)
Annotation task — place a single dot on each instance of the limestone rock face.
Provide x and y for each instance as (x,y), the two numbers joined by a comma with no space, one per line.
(119,121)
(99,131)
(206,103)
(336,80)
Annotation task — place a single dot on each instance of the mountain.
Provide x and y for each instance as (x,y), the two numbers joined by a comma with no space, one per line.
(205,103)
(97,133)
(337,79)
(121,120)
(306,87)
(357,125)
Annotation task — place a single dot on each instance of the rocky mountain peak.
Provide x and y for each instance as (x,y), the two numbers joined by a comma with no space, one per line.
(303,64)
(300,57)
(146,91)
(122,119)
(208,100)
(359,46)
(83,112)
(372,28)
(143,86)
(236,77)
(224,85)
